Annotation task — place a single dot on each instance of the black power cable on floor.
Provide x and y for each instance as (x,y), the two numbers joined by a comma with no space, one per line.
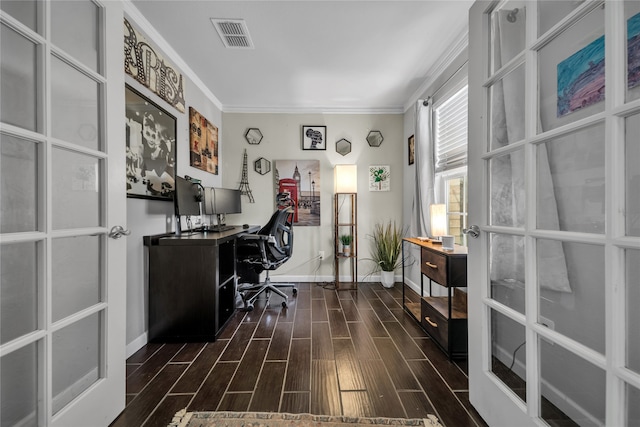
(513,360)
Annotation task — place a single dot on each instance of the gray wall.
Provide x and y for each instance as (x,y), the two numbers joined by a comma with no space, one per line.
(146,217)
(282,141)
(441,85)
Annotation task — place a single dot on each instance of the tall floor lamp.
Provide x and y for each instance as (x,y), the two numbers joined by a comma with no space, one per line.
(346,223)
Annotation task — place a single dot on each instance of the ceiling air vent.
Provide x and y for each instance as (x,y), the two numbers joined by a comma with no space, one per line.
(233,32)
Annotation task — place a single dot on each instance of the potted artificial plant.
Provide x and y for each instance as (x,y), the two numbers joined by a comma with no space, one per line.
(386,250)
(345,239)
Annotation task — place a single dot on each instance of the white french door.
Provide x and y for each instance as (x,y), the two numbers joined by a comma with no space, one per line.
(554,188)
(62,188)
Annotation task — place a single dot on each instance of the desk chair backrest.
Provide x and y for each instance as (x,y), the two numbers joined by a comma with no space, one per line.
(280,226)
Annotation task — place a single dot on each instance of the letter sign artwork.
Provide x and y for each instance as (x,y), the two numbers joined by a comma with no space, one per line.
(150,69)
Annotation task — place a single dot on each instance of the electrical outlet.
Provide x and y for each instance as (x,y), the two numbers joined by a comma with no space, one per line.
(548,323)
(321,254)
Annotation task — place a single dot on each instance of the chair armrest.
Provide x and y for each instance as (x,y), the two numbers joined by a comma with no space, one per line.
(254,237)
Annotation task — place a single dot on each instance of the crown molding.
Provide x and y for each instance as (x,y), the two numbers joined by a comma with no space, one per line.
(156,38)
(457,47)
(310,110)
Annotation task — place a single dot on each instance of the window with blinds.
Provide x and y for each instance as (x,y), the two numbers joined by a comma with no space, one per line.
(451,131)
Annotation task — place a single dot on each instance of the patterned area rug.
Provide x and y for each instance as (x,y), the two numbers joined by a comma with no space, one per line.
(273,419)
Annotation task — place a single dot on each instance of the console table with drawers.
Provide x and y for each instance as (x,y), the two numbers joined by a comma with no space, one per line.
(444,318)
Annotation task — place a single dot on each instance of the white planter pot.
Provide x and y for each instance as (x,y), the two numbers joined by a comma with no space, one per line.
(387,278)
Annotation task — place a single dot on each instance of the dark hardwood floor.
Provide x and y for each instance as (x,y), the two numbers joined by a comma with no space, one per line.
(330,352)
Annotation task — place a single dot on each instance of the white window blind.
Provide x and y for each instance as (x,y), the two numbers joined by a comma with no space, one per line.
(451,131)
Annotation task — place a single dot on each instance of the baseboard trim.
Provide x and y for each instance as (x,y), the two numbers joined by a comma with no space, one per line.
(137,344)
(369,278)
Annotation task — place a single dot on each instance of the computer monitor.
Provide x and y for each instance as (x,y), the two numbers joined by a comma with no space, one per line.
(221,201)
(186,197)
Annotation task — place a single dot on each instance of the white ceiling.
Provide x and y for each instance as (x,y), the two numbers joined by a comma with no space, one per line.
(332,56)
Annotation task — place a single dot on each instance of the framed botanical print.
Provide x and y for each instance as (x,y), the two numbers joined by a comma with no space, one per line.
(151,148)
(314,137)
(380,178)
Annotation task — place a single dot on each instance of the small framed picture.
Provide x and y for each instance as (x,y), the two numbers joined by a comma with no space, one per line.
(314,137)
(412,149)
(380,178)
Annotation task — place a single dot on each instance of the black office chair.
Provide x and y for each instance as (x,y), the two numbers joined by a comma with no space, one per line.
(266,250)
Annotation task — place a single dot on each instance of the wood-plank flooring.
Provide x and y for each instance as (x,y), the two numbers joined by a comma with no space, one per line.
(355,353)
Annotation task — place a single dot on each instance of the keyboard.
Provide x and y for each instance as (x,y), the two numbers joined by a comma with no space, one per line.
(221,228)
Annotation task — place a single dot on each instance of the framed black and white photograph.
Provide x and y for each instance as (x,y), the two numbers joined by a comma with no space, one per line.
(314,137)
(151,148)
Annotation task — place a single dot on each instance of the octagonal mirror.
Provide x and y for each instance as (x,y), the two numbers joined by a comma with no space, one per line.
(253,136)
(375,138)
(343,147)
(262,166)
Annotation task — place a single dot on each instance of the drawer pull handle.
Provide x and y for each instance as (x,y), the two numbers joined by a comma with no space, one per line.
(431,265)
(434,324)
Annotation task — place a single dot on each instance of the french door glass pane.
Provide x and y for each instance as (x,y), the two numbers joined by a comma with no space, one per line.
(507,33)
(632,261)
(77,273)
(571,388)
(632,18)
(573,308)
(77,190)
(25,11)
(456,223)
(19,387)
(74,109)
(507,109)
(19,161)
(551,12)
(74,27)
(508,353)
(632,173)
(633,406)
(18,290)
(571,73)
(77,355)
(507,270)
(577,165)
(18,80)
(507,203)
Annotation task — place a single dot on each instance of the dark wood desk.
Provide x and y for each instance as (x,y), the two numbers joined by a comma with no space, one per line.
(192,284)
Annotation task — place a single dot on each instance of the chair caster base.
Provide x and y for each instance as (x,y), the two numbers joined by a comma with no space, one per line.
(247,308)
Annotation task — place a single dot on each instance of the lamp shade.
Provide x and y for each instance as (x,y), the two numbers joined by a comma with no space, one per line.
(346,178)
(438,215)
